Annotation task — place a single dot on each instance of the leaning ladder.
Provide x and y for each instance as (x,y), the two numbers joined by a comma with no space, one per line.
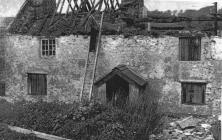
(95,64)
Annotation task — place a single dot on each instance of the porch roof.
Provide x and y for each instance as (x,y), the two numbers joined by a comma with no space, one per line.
(124,72)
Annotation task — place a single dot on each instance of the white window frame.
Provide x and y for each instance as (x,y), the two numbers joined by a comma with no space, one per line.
(53,50)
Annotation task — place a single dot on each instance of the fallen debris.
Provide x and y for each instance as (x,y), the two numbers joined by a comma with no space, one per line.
(188,122)
(190,128)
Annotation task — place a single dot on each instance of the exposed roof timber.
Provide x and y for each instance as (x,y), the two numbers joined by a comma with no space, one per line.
(57,6)
(61,8)
(89,6)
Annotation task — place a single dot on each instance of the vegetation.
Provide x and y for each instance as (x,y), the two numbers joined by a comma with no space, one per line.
(87,121)
(203,13)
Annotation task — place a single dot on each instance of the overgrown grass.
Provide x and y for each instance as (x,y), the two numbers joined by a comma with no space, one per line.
(90,121)
(146,117)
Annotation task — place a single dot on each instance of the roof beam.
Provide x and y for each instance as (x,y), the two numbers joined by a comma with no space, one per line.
(57,6)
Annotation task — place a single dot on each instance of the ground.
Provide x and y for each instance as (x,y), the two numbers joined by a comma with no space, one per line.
(6,134)
(92,121)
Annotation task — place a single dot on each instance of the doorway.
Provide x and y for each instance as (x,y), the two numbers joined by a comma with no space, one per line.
(117,91)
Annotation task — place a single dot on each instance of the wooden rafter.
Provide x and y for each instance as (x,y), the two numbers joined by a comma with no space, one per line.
(61,8)
(57,6)
(83,8)
(70,5)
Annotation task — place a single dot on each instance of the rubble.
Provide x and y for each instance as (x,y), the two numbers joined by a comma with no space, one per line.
(187,122)
(189,128)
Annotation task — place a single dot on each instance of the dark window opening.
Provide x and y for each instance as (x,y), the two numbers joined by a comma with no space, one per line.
(2,64)
(193,93)
(190,48)
(93,40)
(48,47)
(37,84)
(2,89)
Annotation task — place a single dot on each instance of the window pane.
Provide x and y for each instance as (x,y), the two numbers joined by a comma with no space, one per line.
(44,42)
(47,53)
(43,48)
(48,47)
(50,41)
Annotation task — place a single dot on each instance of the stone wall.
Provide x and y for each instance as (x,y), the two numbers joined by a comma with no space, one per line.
(156,59)
(64,72)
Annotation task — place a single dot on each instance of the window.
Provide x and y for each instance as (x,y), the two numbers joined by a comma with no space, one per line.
(37,84)
(2,89)
(2,64)
(93,40)
(190,48)
(193,93)
(48,47)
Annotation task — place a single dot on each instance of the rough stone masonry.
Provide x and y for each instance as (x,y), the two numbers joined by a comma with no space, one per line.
(156,59)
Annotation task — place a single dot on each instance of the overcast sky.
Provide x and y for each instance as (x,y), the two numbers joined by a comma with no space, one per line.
(11,7)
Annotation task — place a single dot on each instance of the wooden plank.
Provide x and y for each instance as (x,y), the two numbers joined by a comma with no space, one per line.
(61,8)
(70,5)
(91,11)
(76,4)
(88,5)
(106,5)
(57,6)
(100,5)
(93,3)
(117,4)
(112,4)
(31,132)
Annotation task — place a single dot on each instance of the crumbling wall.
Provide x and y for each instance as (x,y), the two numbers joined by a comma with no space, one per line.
(64,72)
(156,59)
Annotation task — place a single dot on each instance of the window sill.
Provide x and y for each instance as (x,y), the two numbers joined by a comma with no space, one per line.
(194,104)
(37,95)
(193,81)
(48,57)
(190,61)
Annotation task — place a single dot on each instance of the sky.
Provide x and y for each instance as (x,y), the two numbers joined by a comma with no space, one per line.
(11,7)
(164,5)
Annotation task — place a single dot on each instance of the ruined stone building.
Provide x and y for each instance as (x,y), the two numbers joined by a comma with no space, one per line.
(42,62)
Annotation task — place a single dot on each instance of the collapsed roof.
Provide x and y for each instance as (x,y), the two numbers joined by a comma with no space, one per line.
(45,17)
(65,17)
